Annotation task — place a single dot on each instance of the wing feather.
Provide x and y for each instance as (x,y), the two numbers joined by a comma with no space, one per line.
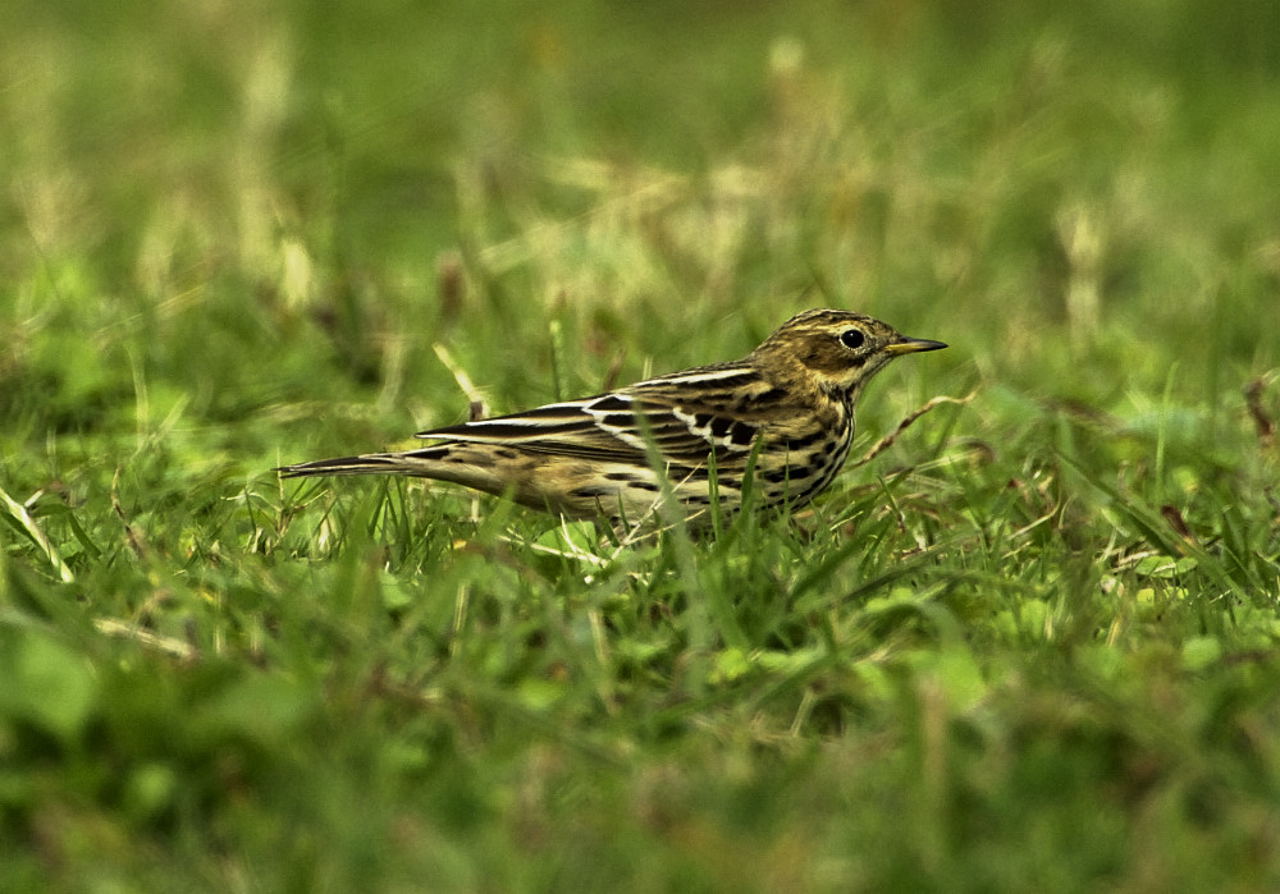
(685,415)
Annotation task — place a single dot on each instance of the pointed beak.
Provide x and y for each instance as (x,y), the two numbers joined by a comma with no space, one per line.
(905,345)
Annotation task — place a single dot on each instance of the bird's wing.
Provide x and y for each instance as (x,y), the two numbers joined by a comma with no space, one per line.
(684,415)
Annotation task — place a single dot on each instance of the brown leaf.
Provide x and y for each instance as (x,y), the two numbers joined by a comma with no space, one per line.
(1253,400)
(1177,522)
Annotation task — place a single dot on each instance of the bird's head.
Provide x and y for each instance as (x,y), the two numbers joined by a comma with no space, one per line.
(838,350)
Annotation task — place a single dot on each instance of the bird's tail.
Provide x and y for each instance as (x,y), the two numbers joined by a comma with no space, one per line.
(424,463)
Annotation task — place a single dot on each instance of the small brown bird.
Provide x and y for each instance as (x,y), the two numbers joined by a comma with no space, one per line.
(789,403)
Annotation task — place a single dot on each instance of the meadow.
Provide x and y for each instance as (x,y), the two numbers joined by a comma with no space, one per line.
(1032,644)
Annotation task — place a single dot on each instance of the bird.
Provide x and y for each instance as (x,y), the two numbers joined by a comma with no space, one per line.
(668,447)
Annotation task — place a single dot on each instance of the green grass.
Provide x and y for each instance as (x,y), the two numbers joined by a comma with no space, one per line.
(1032,645)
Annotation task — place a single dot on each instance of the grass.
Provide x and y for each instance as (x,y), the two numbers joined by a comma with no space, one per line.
(1033,643)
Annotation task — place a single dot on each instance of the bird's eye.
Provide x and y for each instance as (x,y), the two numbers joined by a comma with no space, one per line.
(852,338)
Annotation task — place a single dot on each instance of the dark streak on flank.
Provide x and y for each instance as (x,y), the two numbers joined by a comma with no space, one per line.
(787,473)
(677,474)
(808,492)
(805,441)
(773,395)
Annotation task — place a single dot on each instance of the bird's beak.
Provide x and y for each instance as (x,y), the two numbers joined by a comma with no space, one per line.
(905,345)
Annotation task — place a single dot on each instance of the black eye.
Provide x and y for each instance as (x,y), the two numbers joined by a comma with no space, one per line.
(852,338)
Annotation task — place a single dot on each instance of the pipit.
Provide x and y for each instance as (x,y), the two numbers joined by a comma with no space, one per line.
(676,442)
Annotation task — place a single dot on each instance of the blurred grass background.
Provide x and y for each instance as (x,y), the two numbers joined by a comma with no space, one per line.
(1033,644)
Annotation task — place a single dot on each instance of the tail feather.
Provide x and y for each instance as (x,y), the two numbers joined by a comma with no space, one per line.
(466,464)
(409,463)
